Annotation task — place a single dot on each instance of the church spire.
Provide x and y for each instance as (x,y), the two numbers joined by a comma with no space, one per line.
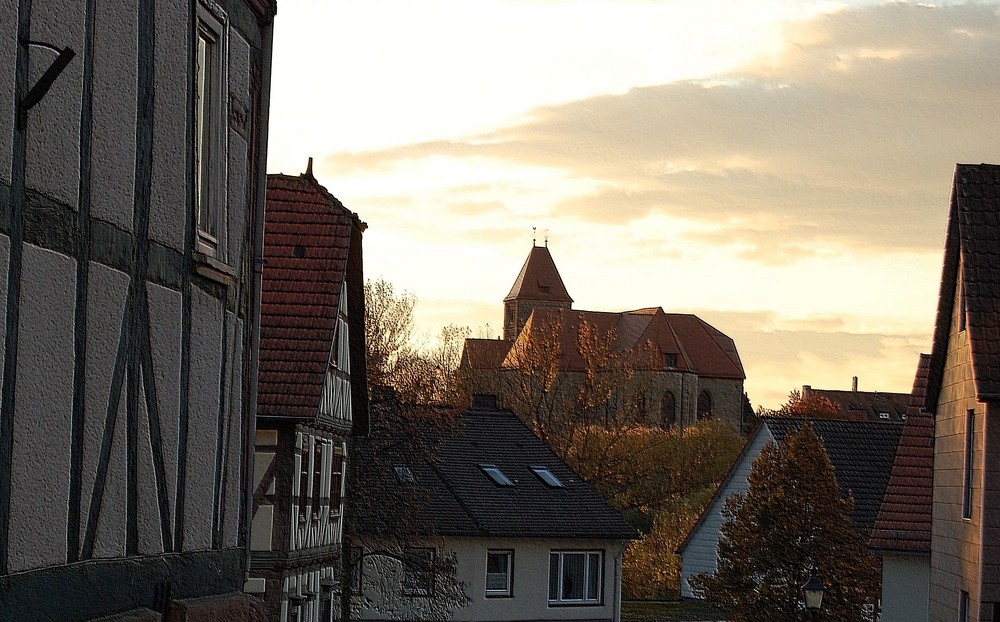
(538,285)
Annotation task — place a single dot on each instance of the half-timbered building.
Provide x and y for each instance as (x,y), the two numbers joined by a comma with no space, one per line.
(132,150)
(312,396)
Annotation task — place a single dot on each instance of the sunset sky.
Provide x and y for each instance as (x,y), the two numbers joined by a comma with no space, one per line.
(780,168)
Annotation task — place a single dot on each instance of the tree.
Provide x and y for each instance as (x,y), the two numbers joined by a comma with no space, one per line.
(418,375)
(811,407)
(386,528)
(791,517)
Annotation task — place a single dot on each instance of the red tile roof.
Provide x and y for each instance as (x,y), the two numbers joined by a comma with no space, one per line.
(307,239)
(904,519)
(864,405)
(539,279)
(646,334)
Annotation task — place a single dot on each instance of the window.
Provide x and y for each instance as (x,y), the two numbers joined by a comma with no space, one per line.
(209,128)
(883,415)
(336,482)
(498,571)
(304,463)
(669,360)
(547,477)
(317,470)
(418,572)
(404,474)
(495,474)
(963,606)
(668,411)
(704,405)
(575,577)
(970,429)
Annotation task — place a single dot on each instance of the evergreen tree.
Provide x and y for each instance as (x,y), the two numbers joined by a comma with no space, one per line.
(791,517)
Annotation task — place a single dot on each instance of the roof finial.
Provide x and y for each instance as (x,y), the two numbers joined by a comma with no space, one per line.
(546,238)
(309,167)
(534,236)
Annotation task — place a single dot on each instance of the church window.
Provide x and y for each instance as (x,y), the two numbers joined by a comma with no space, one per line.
(704,405)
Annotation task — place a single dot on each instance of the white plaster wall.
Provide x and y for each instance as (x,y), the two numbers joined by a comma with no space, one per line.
(905,581)
(203,432)
(106,293)
(53,151)
(169,197)
(237,207)
(530,574)
(8,54)
(701,553)
(114,112)
(234,440)
(166,309)
(42,411)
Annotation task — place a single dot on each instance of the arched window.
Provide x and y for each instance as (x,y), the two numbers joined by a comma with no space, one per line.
(704,405)
(668,411)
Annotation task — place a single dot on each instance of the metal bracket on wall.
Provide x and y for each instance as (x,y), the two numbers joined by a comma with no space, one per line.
(41,87)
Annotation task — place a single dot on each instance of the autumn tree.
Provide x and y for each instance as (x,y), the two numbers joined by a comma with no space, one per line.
(419,375)
(811,406)
(791,517)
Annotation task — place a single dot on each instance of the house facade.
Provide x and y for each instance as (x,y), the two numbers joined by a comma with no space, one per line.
(504,531)
(132,151)
(312,397)
(681,369)
(963,394)
(861,453)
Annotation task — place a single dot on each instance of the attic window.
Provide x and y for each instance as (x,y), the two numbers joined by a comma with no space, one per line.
(404,474)
(669,360)
(544,288)
(546,476)
(883,415)
(495,474)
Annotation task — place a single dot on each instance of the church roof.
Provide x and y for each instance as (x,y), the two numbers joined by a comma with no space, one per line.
(539,279)
(651,336)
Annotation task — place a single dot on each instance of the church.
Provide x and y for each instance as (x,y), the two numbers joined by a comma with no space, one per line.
(689,370)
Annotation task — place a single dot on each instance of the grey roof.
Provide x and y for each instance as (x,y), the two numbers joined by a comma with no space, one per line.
(459,499)
(972,242)
(862,453)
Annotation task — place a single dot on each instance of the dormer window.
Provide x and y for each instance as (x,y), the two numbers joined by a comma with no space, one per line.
(547,477)
(669,360)
(883,415)
(495,474)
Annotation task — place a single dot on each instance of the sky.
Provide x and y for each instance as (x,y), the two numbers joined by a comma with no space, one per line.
(780,168)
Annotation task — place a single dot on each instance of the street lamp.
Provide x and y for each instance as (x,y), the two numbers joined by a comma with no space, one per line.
(812,593)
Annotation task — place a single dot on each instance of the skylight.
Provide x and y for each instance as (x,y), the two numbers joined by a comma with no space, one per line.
(547,476)
(404,474)
(496,475)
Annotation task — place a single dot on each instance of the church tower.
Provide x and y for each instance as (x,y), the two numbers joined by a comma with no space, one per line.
(538,286)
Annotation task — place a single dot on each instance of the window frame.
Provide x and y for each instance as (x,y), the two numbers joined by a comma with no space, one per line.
(508,591)
(557,578)
(546,476)
(209,98)
(418,582)
(496,475)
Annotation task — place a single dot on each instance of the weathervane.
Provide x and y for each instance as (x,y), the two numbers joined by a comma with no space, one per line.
(534,236)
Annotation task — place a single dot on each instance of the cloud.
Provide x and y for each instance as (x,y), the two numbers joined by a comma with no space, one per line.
(846,138)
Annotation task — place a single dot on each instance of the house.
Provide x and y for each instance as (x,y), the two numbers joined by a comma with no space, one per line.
(524,537)
(857,405)
(901,536)
(687,370)
(312,396)
(132,154)
(861,453)
(963,396)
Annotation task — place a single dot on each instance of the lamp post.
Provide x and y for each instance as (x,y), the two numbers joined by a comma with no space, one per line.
(812,593)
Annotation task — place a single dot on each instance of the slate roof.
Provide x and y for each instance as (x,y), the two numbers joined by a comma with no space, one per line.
(307,238)
(972,241)
(539,279)
(862,454)
(645,334)
(864,405)
(459,499)
(904,519)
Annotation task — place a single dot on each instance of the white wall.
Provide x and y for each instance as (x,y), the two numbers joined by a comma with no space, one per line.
(905,583)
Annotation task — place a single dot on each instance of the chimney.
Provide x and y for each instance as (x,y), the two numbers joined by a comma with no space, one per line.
(854,384)
(805,391)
